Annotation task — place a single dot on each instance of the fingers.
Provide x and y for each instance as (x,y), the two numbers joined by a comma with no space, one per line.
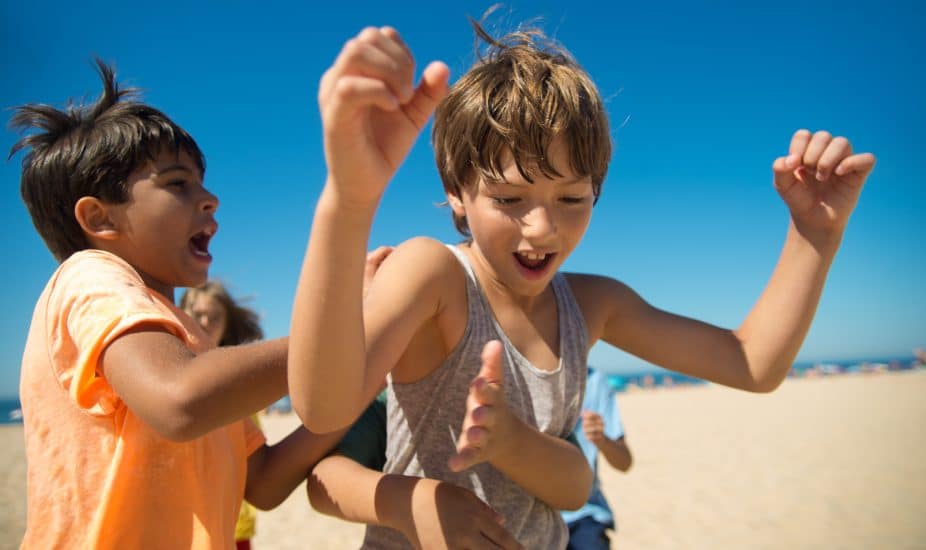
(464,459)
(430,91)
(859,164)
(349,94)
(486,394)
(379,53)
(371,266)
(820,154)
(835,151)
(376,259)
(491,369)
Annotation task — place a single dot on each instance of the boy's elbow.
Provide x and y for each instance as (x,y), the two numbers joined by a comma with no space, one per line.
(263,500)
(627,465)
(580,490)
(576,499)
(765,384)
(323,419)
(176,420)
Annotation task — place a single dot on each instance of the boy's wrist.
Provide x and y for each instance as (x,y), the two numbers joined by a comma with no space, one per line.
(337,194)
(825,242)
(511,452)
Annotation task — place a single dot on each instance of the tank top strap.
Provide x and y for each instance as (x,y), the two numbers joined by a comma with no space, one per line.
(477,304)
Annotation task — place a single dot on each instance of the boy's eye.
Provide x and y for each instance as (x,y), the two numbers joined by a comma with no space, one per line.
(505,201)
(176,183)
(573,200)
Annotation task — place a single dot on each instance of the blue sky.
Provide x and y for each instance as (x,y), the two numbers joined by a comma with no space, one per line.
(702,97)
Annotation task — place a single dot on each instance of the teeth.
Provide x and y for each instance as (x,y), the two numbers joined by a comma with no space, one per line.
(532,255)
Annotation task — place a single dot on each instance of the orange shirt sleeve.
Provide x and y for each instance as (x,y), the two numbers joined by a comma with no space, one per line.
(92,302)
(253,436)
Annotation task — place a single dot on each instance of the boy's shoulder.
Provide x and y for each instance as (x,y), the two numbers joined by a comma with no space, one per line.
(591,284)
(426,256)
(423,270)
(95,286)
(93,267)
(599,296)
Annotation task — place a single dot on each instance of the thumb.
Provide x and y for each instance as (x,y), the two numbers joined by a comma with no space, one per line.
(785,170)
(491,369)
(431,89)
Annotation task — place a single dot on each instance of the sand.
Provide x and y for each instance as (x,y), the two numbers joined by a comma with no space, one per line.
(835,462)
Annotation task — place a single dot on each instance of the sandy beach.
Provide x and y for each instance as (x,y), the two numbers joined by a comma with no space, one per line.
(835,462)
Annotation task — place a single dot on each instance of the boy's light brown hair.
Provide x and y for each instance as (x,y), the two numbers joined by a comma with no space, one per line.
(88,151)
(522,92)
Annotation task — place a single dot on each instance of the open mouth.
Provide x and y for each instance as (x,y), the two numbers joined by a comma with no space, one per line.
(533,261)
(199,244)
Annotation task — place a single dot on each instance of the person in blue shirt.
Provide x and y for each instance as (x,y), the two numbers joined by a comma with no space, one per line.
(598,431)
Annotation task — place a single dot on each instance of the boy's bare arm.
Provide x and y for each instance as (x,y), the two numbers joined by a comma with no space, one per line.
(182,395)
(275,470)
(615,451)
(430,513)
(371,114)
(820,181)
(552,469)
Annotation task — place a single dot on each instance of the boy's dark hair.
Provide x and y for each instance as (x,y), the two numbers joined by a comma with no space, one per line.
(88,151)
(520,95)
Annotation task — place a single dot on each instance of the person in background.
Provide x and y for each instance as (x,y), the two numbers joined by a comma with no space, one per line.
(228,324)
(599,431)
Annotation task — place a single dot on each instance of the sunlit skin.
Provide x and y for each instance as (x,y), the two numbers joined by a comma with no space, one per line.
(416,310)
(164,228)
(522,231)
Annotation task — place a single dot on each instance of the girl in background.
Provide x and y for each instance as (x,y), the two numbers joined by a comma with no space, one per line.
(228,324)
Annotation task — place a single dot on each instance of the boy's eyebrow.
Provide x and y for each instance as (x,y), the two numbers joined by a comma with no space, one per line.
(172,168)
(519,182)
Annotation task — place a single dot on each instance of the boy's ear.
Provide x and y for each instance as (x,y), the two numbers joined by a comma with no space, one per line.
(95,219)
(456,205)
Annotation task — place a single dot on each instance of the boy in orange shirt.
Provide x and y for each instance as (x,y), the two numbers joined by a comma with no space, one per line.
(133,424)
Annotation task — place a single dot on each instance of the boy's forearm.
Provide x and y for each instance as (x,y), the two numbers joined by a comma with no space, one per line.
(344,489)
(244,389)
(559,476)
(327,354)
(274,471)
(616,453)
(184,396)
(774,330)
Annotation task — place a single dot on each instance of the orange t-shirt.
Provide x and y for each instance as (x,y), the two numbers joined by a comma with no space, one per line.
(99,477)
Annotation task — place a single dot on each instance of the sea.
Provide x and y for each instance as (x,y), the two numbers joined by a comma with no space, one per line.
(10,411)
(655,377)
(11,408)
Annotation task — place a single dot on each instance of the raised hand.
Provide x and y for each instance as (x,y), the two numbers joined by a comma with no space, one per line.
(447,516)
(372,113)
(820,180)
(592,427)
(488,422)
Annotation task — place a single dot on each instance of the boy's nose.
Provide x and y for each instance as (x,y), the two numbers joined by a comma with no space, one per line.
(538,224)
(209,202)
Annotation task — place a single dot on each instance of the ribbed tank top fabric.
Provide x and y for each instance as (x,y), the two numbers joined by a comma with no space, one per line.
(425,417)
